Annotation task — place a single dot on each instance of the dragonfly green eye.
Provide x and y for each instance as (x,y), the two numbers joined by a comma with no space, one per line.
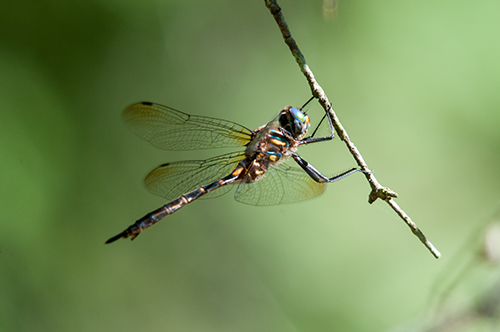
(299,115)
(301,120)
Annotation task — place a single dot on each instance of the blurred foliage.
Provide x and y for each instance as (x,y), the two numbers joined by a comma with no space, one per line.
(414,83)
(466,296)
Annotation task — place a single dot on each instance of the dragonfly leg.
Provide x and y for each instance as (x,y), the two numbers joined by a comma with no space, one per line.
(316,175)
(311,138)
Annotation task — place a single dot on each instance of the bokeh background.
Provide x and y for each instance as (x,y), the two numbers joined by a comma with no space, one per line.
(415,83)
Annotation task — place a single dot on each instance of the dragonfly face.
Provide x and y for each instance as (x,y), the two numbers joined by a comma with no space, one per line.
(261,171)
(294,121)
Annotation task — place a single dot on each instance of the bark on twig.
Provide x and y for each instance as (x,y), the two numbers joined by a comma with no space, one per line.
(377,191)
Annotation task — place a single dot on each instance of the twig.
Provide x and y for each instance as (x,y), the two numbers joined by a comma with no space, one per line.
(377,191)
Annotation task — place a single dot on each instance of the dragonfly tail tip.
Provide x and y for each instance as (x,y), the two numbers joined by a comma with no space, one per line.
(114,238)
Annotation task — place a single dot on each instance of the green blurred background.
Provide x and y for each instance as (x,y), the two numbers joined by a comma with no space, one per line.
(415,83)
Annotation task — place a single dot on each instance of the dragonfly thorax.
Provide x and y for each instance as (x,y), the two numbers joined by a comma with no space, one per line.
(278,137)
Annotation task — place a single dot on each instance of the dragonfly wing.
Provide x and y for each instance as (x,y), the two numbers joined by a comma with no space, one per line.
(170,129)
(281,184)
(175,179)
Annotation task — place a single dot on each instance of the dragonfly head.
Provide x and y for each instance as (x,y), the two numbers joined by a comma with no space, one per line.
(294,121)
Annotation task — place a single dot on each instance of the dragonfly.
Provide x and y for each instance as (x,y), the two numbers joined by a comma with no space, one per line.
(264,173)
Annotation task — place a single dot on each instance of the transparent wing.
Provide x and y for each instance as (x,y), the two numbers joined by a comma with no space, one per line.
(170,129)
(281,184)
(175,179)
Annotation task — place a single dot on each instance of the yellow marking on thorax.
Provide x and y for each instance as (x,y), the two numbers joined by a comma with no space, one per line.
(259,172)
(276,141)
(273,157)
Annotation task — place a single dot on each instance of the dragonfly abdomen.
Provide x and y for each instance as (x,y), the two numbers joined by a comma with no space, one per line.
(153,217)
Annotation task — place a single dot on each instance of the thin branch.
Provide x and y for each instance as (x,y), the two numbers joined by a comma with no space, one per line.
(377,191)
